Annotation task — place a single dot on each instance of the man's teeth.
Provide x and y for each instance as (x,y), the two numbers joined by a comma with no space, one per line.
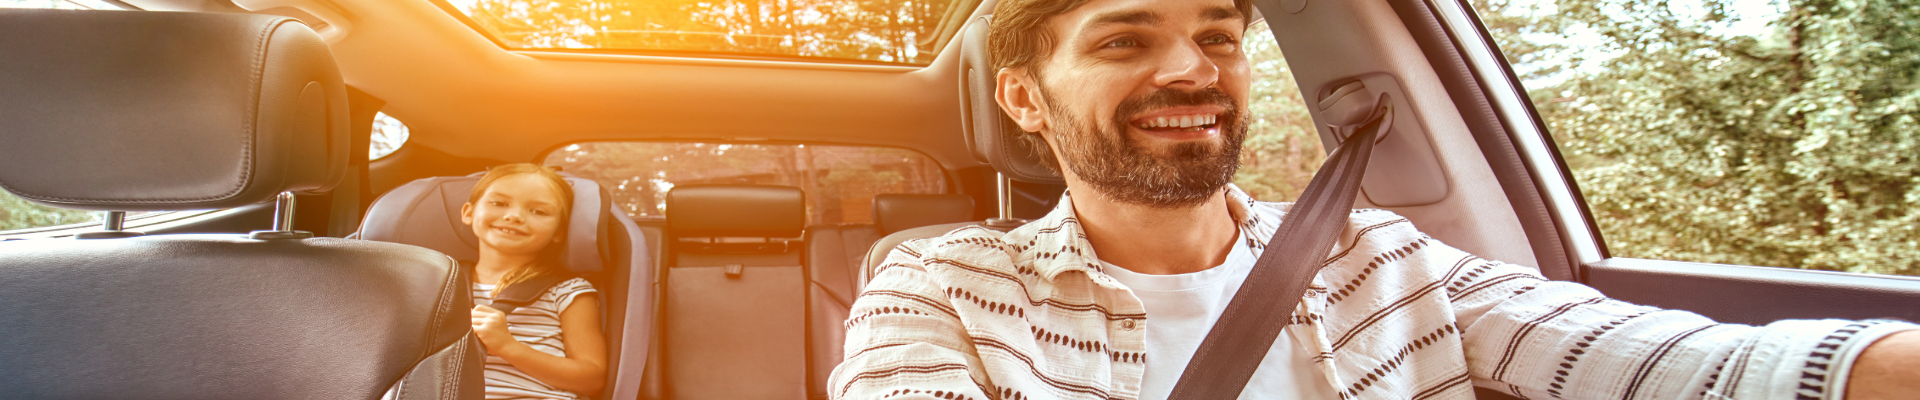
(1180,121)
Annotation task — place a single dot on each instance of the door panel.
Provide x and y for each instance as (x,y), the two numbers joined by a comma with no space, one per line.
(1755,295)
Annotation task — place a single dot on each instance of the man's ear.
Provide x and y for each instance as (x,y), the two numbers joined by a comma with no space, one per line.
(1019,95)
(466,213)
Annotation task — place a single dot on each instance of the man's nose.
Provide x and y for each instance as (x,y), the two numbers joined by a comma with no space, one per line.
(1186,66)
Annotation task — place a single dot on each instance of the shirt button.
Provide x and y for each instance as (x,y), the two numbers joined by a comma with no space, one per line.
(1126,324)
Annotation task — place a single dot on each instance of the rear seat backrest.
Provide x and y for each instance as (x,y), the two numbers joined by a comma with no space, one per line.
(835,254)
(605,247)
(735,293)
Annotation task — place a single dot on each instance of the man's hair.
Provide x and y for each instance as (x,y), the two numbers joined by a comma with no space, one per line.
(1018,38)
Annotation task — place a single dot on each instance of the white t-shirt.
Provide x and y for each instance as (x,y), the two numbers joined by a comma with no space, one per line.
(1181,310)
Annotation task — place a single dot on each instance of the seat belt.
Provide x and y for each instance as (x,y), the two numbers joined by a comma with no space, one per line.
(524,293)
(1252,321)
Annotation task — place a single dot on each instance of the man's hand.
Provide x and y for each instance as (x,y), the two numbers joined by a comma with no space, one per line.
(1888,369)
(491,326)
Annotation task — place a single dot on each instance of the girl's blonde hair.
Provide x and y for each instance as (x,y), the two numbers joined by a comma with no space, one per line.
(550,256)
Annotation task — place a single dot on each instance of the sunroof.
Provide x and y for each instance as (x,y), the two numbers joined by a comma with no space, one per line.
(907,32)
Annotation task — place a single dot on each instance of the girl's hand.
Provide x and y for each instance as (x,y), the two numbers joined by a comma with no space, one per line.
(490,326)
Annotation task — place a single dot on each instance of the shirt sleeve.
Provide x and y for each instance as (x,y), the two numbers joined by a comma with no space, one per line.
(1535,338)
(905,340)
(564,293)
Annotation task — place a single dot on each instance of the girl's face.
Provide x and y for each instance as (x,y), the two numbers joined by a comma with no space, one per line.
(518,214)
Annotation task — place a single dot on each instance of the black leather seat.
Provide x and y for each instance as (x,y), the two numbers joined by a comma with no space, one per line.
(134,111)
(835,254)
(606,247)
(735,293)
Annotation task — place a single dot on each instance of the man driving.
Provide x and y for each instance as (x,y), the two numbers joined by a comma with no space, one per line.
(1141,104)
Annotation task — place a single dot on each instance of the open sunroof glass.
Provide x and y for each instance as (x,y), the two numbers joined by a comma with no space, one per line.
(884,31)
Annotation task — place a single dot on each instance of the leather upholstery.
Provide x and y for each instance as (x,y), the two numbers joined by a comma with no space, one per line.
(127,110)
(833,257)
(223,316)
(736,211)
(164,111)
(896,212)
(736,294)
(606,247)
(992,136)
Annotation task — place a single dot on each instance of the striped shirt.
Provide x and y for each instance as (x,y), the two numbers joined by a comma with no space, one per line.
(1394,314)
(537,325)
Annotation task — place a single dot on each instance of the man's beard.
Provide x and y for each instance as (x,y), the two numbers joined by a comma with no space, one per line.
(1109,159)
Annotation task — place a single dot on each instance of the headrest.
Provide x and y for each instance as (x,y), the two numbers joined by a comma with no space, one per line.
(131,110)
(992,136)
(736,211)
(897,212)
(426,213)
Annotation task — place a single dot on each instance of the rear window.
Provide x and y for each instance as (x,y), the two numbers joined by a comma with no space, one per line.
(840,181)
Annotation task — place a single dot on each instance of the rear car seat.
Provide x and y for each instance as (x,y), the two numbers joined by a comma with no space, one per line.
(835,254)
(735,293)
(161,111)
(605,247)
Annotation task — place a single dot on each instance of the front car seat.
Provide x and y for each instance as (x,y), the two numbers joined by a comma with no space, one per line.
(605,247)
(152,111)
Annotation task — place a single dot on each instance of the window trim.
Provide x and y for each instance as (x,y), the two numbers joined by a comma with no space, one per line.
(1523,124)
(150,221)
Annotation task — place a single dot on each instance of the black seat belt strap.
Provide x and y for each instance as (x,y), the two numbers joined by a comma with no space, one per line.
(1252,321)
(523,293)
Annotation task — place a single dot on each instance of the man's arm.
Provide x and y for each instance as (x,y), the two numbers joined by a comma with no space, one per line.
(1889,369)
(1529,336)
(904,339)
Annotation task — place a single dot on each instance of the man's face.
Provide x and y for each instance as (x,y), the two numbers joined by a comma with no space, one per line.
(1143,100)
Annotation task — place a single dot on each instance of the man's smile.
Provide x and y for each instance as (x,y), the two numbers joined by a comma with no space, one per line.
(1181,123)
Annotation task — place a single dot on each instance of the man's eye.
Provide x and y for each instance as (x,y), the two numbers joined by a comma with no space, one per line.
(1123,42)
(1217,39)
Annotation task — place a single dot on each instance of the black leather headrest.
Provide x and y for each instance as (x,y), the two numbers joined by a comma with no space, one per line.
(736,211)
(897,212)
(426,213)
(130,110)
(992,136)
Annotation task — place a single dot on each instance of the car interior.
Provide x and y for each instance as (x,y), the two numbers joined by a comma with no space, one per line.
(265,204)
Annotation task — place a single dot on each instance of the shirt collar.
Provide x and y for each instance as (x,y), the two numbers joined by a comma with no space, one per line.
(1056,244)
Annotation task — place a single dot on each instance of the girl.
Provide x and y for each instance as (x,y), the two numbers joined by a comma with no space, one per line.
(553,348)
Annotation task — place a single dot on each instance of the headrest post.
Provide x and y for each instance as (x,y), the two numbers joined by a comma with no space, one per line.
(1006,219)
(282,221)
(114,221)
(1006,195)
(283,212)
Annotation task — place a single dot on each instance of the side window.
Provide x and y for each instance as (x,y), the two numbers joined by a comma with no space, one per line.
(17,213)
(388,135)
(1282,148)
(839,181)
(1778,134)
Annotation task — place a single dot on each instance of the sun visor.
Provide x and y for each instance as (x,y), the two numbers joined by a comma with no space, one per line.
(136,111)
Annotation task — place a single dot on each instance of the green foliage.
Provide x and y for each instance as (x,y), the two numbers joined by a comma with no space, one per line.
(1282,148)
(902,31)
(17,213)
(1794,148)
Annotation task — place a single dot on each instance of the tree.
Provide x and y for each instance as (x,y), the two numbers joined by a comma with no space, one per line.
(1794,148)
